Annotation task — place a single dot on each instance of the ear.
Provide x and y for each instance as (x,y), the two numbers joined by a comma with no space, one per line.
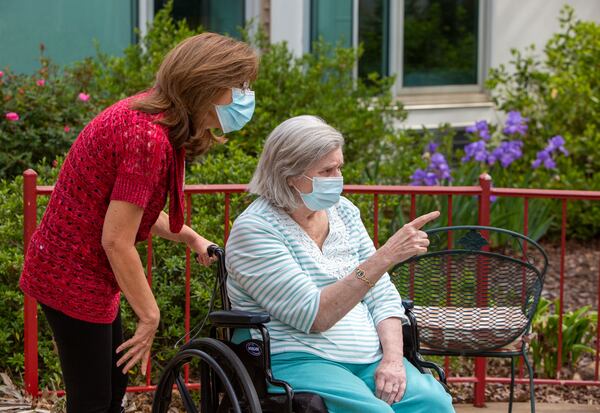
(291,181)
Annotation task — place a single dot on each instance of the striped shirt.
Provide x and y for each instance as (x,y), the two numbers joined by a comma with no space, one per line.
(275,267)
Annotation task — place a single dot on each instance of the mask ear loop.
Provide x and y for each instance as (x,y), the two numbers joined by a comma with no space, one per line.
(245,87)
(300,192)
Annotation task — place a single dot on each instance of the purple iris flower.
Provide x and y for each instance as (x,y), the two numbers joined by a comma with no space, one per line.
(432,147)
(422,177)
(418,177)
(437,171)
(439,166)
(476,150)
(556,143)
(481,128)
(515,123)
(507,152)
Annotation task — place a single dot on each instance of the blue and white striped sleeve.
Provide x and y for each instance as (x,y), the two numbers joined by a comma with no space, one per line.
(260,262)
(383,300)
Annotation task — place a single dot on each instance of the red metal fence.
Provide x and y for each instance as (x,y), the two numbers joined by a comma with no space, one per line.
(484,192)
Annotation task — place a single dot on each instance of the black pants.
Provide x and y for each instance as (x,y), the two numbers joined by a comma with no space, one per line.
(88,360)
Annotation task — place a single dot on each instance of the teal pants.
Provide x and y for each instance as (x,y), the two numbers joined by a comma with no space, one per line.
(350,388)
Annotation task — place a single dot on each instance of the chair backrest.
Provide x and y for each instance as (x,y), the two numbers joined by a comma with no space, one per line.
(475,290)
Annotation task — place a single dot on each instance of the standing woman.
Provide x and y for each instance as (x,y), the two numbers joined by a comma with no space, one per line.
(110,194)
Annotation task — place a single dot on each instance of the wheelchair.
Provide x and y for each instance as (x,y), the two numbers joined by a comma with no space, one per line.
(214,375)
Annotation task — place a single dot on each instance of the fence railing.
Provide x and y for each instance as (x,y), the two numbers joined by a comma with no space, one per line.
(484,192)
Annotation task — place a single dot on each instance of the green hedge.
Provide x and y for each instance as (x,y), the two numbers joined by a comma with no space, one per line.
(559,92)
(320,83)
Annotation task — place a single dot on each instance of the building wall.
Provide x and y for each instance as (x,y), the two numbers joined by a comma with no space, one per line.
(506,24)
(67,28)
(289,23)
(519,23)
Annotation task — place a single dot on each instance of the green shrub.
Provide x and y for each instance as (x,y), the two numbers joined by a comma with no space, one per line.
(50,115)
(559,93)
(578,334)
(287,86)
(11,260)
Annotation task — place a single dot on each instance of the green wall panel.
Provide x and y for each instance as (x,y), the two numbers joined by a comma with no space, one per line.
(67,28)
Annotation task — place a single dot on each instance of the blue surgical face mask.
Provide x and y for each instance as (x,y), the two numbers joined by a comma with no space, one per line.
(326,192)
(237,113)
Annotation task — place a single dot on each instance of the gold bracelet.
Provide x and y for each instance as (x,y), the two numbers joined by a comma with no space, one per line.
(360,274)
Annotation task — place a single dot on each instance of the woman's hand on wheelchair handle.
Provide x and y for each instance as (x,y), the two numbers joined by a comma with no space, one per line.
(139,345)
(199,245)
(390,380)
(408,240)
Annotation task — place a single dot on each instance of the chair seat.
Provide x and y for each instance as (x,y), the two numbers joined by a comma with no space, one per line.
(470,329)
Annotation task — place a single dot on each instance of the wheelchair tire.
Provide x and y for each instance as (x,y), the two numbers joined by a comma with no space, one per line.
(225,384)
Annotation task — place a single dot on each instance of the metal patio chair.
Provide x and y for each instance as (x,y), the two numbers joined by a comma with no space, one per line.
(235,377)
(475,293)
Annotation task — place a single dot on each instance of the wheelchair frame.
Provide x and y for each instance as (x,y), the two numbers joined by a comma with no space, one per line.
(247,390)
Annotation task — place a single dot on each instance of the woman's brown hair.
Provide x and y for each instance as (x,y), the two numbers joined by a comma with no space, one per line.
(191,76)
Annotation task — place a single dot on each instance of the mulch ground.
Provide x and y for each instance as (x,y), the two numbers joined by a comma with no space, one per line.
(581,288)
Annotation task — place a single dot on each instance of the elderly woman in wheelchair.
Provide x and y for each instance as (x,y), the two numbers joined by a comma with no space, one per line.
(300,252)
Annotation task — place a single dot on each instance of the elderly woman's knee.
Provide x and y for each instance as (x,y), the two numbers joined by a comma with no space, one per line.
(438,401)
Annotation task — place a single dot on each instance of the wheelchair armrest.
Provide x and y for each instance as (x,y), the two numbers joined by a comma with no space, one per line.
(408,304)
(238,317)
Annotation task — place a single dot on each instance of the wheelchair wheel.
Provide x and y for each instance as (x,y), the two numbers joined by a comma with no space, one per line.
(225,385)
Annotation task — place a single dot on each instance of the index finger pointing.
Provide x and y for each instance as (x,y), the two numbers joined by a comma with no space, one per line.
(419,222)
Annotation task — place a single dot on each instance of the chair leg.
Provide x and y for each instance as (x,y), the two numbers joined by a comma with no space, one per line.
(531,389)
(512,384)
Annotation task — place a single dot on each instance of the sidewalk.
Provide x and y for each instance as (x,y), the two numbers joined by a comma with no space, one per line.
(525,408)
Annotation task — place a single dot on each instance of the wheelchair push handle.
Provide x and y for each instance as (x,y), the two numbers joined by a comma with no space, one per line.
(212,250)
(215,250)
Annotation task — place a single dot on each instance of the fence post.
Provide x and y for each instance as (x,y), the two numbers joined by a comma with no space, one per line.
(30,307)
(485,182)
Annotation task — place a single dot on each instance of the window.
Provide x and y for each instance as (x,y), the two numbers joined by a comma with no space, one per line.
(373,33)
(218,16)
(424,42)
(331,20)
(440,42)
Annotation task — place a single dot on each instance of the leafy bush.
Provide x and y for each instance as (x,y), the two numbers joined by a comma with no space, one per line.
(41,116)
(318,84)
(559,94)
(578,334)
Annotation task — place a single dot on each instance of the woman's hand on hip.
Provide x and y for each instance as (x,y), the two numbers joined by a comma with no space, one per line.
(200,245)
(408,240)
(390,380)
(139,345)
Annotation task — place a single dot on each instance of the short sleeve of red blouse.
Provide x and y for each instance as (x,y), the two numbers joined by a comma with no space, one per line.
(142,161)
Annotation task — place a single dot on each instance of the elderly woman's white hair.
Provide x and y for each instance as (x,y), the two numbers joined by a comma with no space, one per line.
(290,150)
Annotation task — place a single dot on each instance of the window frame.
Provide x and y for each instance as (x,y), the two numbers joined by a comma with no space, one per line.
(396,50)
(397,54)
(146,12)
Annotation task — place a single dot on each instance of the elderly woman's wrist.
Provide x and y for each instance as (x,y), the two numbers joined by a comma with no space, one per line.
(396,356)
(384,258)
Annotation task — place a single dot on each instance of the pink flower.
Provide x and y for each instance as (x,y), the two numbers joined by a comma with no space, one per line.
(12,116)
(83,97)
(1,74)
(54,163)
(40,82)
(67,129)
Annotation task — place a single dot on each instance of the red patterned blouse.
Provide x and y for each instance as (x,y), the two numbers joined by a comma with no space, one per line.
(120,155)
